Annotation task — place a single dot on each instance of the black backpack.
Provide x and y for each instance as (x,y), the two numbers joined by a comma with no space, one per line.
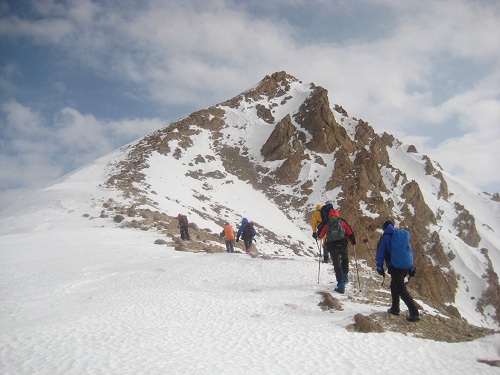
(248,230)
(324,212)
(324,216)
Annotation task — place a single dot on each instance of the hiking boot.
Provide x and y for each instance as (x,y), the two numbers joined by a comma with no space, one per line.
(340,287)
(346,278)
(393,312)
(413,318)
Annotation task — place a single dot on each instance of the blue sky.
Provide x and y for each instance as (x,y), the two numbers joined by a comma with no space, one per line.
(81,78)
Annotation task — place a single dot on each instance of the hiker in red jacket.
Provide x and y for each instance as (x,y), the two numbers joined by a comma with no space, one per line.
(336,233)
(184,226)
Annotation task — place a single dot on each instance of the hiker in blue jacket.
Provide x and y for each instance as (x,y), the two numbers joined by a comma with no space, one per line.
(247,232)
(398,287)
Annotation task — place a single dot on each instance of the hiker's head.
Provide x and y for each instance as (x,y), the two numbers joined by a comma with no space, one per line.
(318,207)
(244,221)
(334,213)
(386,224)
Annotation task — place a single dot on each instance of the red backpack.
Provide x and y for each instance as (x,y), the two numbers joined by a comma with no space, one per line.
(183,221)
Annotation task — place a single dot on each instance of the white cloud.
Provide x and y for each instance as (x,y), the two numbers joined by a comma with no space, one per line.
(197,53)
(35,151)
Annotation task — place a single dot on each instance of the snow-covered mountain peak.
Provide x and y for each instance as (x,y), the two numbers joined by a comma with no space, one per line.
(271,154)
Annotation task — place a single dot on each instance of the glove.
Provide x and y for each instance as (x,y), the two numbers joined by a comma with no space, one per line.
(412,272)
(380,271)
(315,235)
(238,239)
(353,239)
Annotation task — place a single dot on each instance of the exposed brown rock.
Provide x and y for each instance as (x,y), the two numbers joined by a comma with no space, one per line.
(278,146)
(465,224)
(329,302)
(364,134)
(491,362)
(275,85)
(365,324)
(264,113)
(412,149)
(317,118)
(340,110)
(491,296)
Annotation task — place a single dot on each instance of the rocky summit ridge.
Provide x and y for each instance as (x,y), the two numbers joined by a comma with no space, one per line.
(286,140)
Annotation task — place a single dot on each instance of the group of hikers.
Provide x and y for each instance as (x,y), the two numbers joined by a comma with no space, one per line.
(246,231)
(335,233)
(393,249)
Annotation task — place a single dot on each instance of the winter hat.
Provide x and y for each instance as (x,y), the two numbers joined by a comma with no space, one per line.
(334,213)
(386,224)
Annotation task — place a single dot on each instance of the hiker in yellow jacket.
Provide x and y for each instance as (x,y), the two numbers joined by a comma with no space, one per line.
(315,221)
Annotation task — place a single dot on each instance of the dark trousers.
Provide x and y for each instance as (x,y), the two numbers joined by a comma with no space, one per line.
(398,289)
(185,233)
(247,242)
(325,254)
(230,246)
(340,257)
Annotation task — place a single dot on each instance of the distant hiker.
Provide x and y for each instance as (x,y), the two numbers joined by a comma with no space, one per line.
(337,232)
(247,232)
(228,235)
(183,226)
(395,250)
(323,216)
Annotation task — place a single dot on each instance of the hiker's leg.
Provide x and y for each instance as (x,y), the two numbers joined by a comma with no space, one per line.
(335,254)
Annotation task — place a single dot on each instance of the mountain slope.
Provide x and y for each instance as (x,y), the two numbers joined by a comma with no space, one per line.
(274,152)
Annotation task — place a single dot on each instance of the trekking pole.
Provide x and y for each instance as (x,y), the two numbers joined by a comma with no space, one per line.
(356,261)
(369,247)
(431,242)
(319,260)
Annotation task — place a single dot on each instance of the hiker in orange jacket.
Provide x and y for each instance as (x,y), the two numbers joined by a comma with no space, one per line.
(228,235)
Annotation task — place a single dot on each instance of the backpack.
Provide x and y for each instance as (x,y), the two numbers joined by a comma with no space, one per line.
(324,216)
(401,251)
(248,231)
(335,231)
(183,221)
(324,212)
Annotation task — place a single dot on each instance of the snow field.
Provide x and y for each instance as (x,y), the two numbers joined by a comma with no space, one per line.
(107,300)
